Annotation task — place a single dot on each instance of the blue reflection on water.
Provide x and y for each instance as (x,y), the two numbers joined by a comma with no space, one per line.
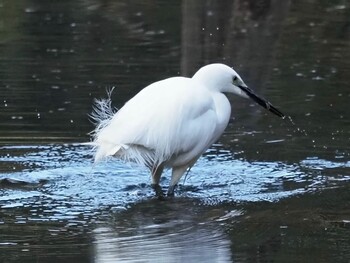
(74,185)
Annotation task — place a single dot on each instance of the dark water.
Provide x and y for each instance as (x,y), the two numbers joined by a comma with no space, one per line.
(268,191)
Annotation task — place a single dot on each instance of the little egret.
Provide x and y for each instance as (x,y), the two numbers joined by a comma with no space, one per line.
(172,122)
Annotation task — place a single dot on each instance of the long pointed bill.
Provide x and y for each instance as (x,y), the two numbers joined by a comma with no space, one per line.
(262,102)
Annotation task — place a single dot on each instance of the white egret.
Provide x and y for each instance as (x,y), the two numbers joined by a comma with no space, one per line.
(172,122)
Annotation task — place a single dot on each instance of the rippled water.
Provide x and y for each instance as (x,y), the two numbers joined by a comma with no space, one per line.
(63,172)
(57,191)
(270,190)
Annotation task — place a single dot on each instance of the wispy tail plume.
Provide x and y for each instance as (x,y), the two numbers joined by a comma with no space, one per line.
(102,113)
(101,116)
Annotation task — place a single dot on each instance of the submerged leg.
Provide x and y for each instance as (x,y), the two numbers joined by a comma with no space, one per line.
(177,173)
(156,174)
(158,190)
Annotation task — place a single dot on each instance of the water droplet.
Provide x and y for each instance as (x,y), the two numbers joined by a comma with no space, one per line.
(16,117)
(334,70)
(30,10)
(302,131)
(291,120)
(317,78)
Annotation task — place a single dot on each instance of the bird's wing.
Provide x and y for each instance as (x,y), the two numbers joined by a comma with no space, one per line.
(169,117)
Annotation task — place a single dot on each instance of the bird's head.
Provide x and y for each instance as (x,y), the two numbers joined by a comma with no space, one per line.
(222,78)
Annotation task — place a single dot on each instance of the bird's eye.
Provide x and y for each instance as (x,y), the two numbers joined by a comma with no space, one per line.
(235,78)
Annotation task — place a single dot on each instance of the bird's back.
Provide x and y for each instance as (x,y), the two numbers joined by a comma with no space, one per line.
(166,119)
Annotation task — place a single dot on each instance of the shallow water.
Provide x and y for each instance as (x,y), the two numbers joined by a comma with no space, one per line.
(270,190)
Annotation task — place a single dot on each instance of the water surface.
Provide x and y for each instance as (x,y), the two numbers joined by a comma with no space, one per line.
(270,190)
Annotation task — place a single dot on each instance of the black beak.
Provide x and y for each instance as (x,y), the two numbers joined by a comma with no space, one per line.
(267,105)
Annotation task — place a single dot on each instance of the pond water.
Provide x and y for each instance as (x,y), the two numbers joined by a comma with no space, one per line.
(269,190)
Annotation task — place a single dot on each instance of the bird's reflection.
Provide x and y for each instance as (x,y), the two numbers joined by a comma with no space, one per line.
(179,230)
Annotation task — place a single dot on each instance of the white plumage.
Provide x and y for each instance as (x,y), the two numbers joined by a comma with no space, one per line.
(170,123)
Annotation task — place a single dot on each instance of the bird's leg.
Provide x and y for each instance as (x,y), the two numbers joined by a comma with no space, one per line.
(156,174)
(171,190)
(158,190)
(177,173)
